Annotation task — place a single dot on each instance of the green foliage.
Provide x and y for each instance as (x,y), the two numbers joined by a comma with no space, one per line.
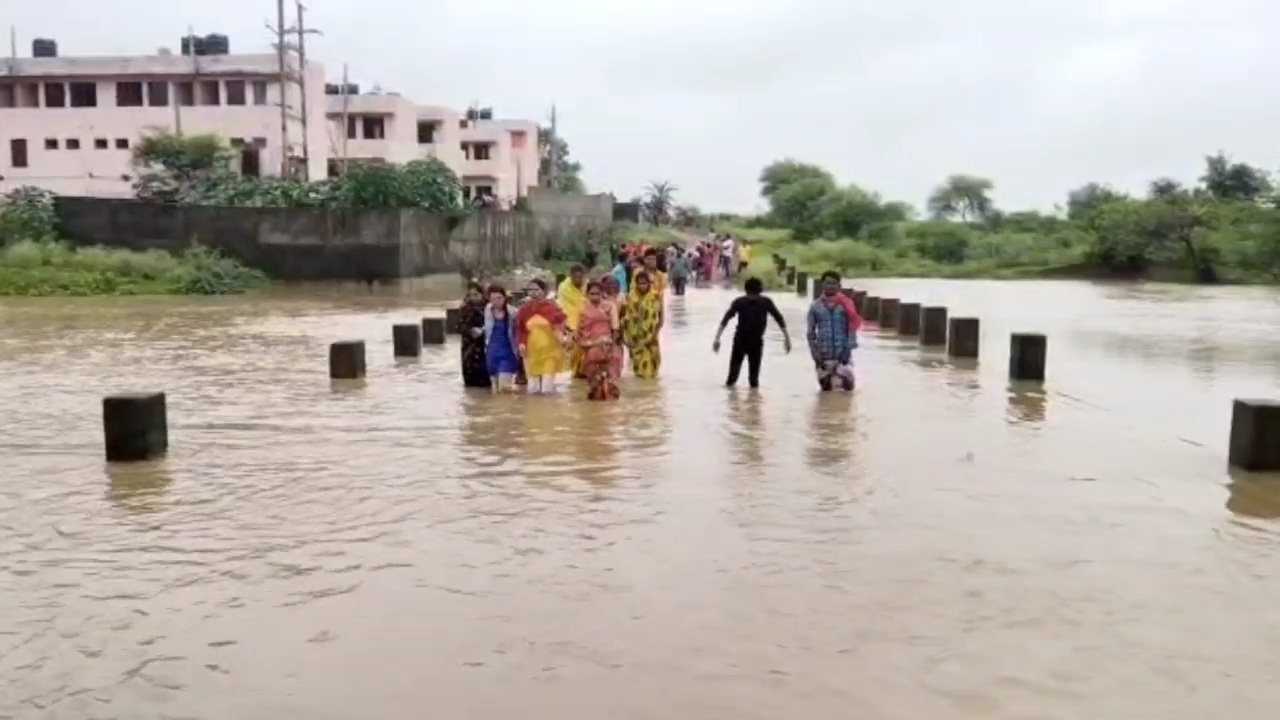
(658,202)
(555,167)
(196,169)
(39,268)
(27,213)
(1226,228)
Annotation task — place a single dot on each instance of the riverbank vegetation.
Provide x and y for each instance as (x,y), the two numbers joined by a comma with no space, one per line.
(1226,228)
(34,263)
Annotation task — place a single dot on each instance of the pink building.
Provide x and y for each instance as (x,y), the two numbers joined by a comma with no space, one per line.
(68,124)
(499,158)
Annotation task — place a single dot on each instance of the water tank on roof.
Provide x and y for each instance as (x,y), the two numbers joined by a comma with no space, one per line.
(192,45)
(44,48)
(216,44)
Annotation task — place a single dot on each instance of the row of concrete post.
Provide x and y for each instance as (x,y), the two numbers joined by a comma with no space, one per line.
(1255,424)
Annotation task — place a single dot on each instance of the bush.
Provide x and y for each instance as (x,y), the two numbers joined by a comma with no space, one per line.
(27,214)
(30,267)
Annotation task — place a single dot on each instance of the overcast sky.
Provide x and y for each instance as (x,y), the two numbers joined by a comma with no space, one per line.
(1039,95)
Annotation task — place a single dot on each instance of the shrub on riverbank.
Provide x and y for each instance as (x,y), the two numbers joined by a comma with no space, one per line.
(40,268)
(1227,228)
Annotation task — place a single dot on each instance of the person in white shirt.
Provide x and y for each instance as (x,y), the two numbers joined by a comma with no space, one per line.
(728,256)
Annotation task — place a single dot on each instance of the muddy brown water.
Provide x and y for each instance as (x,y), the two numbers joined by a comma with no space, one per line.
(938,545)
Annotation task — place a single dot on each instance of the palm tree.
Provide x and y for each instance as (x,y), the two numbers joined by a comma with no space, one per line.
(659,201)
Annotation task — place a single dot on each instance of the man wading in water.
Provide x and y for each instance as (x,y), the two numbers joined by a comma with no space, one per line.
(833,325)
(753,310)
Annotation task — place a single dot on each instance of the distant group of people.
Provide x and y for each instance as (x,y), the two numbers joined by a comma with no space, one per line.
(593,324)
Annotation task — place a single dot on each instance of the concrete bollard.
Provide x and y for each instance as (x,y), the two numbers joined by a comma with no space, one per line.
(802,283)
(559,279)
(1255,435)
(860,302)
(815,289)
(433,331)
(909,319)
(962,341)
(791,276)
(871,309)
(406,340)
(933,325)
(135,427)
(848,292)
(1027,355)
(346,360)
(889,313)
(452,316)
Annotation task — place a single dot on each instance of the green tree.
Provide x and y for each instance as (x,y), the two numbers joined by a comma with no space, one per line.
(786,172)
(659,202)
(1228,180)
(1084,200)
(180,168)
(1164,187)
(963,197)
(555,168)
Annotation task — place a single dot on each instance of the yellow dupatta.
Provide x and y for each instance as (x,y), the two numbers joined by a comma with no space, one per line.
(572,300)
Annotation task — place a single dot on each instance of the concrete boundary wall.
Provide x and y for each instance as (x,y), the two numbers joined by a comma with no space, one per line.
(318,244)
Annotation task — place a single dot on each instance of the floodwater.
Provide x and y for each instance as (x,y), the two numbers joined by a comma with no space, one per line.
(937,545)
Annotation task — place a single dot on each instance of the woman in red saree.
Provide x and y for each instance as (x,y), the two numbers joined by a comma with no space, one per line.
(597,332)
(613,297)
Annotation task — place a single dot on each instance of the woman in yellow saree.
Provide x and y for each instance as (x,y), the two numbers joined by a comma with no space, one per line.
(571,295)
(540,326)
(641,324)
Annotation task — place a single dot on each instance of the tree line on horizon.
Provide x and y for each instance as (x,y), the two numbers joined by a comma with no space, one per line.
(1224,227)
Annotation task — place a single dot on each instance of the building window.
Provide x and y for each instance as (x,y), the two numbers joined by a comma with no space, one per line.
(186,93)
(210,92)
(129,94)
(351,127)
(83,94)
(29,95)
(466,193)
(122,143)
(484,191)
(6,95)
(480,152)
(73,143)
(335,168)
(55,95)
(375,128)
(18,153)
(158,93)
(100,144)
(235,93)
(260,142)
(51,143)
(259,92)
(426,132)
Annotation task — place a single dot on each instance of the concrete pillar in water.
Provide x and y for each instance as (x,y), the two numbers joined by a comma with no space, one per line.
(452,316)
(791,276)
(802,283)
(933,325)
(135,427)
(1255,435)
(871,308)
(346,360)
(909,319)
(860,302)
(815,290)
(889,313)
(433,331)
(559,279)
(962,341)
(406,340)
(1027,355)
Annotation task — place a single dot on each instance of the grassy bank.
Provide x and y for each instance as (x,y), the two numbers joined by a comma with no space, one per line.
(997,256)
(46,268)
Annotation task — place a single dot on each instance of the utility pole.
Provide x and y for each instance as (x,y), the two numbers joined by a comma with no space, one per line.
(553,147)
(302,32)
(13,41)
(283,68)
(346,116)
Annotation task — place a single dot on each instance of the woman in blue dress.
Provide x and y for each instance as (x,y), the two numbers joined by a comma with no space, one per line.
(499,338)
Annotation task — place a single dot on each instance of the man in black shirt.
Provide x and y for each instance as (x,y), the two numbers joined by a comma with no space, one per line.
(753,311)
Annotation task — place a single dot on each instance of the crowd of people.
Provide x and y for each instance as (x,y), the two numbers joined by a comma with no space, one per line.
(593,325)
